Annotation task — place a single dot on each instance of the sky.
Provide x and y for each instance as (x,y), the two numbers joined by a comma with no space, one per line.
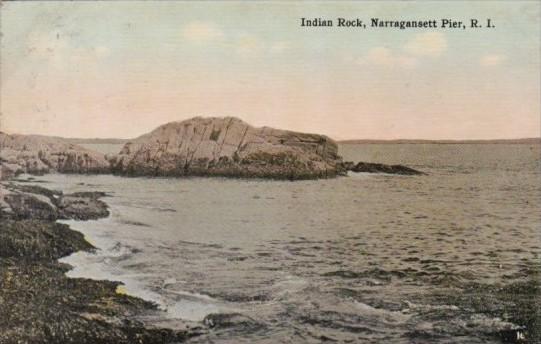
(120,69)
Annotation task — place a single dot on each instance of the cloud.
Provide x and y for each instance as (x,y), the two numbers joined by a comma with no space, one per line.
(201,32)
(491,60)
(431,44)
(382,56)
(243,44)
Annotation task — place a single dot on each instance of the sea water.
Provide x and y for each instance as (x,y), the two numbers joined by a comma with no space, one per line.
(363,258)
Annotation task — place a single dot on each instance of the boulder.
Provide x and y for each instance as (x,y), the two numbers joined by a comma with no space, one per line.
(8,171)
(228,147)
(228,320)
(34,202)
(40,154)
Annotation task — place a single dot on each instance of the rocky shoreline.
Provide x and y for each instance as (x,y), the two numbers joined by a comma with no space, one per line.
(200,146)
(38,303)
(36,154)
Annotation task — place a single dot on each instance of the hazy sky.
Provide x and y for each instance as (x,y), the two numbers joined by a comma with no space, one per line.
(119,69)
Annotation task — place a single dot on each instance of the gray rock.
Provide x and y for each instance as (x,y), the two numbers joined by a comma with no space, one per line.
(8,171)
(228,147)
(40,154)
(34,202)
(369,167)
(40,304)
(228,320)
(82,207)
(26,206)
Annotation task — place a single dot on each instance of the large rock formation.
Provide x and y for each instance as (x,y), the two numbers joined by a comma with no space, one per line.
(40,154)
(228,147)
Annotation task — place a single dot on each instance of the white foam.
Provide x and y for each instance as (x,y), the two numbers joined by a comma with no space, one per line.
(412,305)
(289,285)
(191,306)
(192,296)
(383,314)
(359,174)
(191,310)
(97,265)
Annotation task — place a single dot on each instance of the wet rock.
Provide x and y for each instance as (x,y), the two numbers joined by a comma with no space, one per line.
(368,167)
(40,154)
(348,165)
(26,206)
(34,189)
(228,147)
(82,206)
(9,171)
(514,336)
(35,202)
(33,239)
(510,313)
(518,303)
(240,297)
(38,303)
(226,320)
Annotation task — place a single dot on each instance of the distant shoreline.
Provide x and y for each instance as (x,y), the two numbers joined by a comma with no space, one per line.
(536,140)
(110,141)
(533,140)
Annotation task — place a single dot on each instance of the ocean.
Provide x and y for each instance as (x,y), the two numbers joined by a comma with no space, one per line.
(451,257)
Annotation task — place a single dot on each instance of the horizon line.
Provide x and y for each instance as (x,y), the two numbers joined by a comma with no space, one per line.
(338,140)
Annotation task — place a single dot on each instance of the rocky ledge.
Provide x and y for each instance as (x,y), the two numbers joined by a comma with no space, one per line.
(228,147)
(38,303)
(41,154)
(38,203)
(368,167)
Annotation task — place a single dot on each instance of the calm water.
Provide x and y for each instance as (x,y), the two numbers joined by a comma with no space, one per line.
(452,257)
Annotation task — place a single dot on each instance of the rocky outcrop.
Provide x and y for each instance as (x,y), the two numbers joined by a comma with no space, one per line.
(212,146)
(40,154)
(8,171)
(228,147)
(34,202)
(368,167)
(38,302)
